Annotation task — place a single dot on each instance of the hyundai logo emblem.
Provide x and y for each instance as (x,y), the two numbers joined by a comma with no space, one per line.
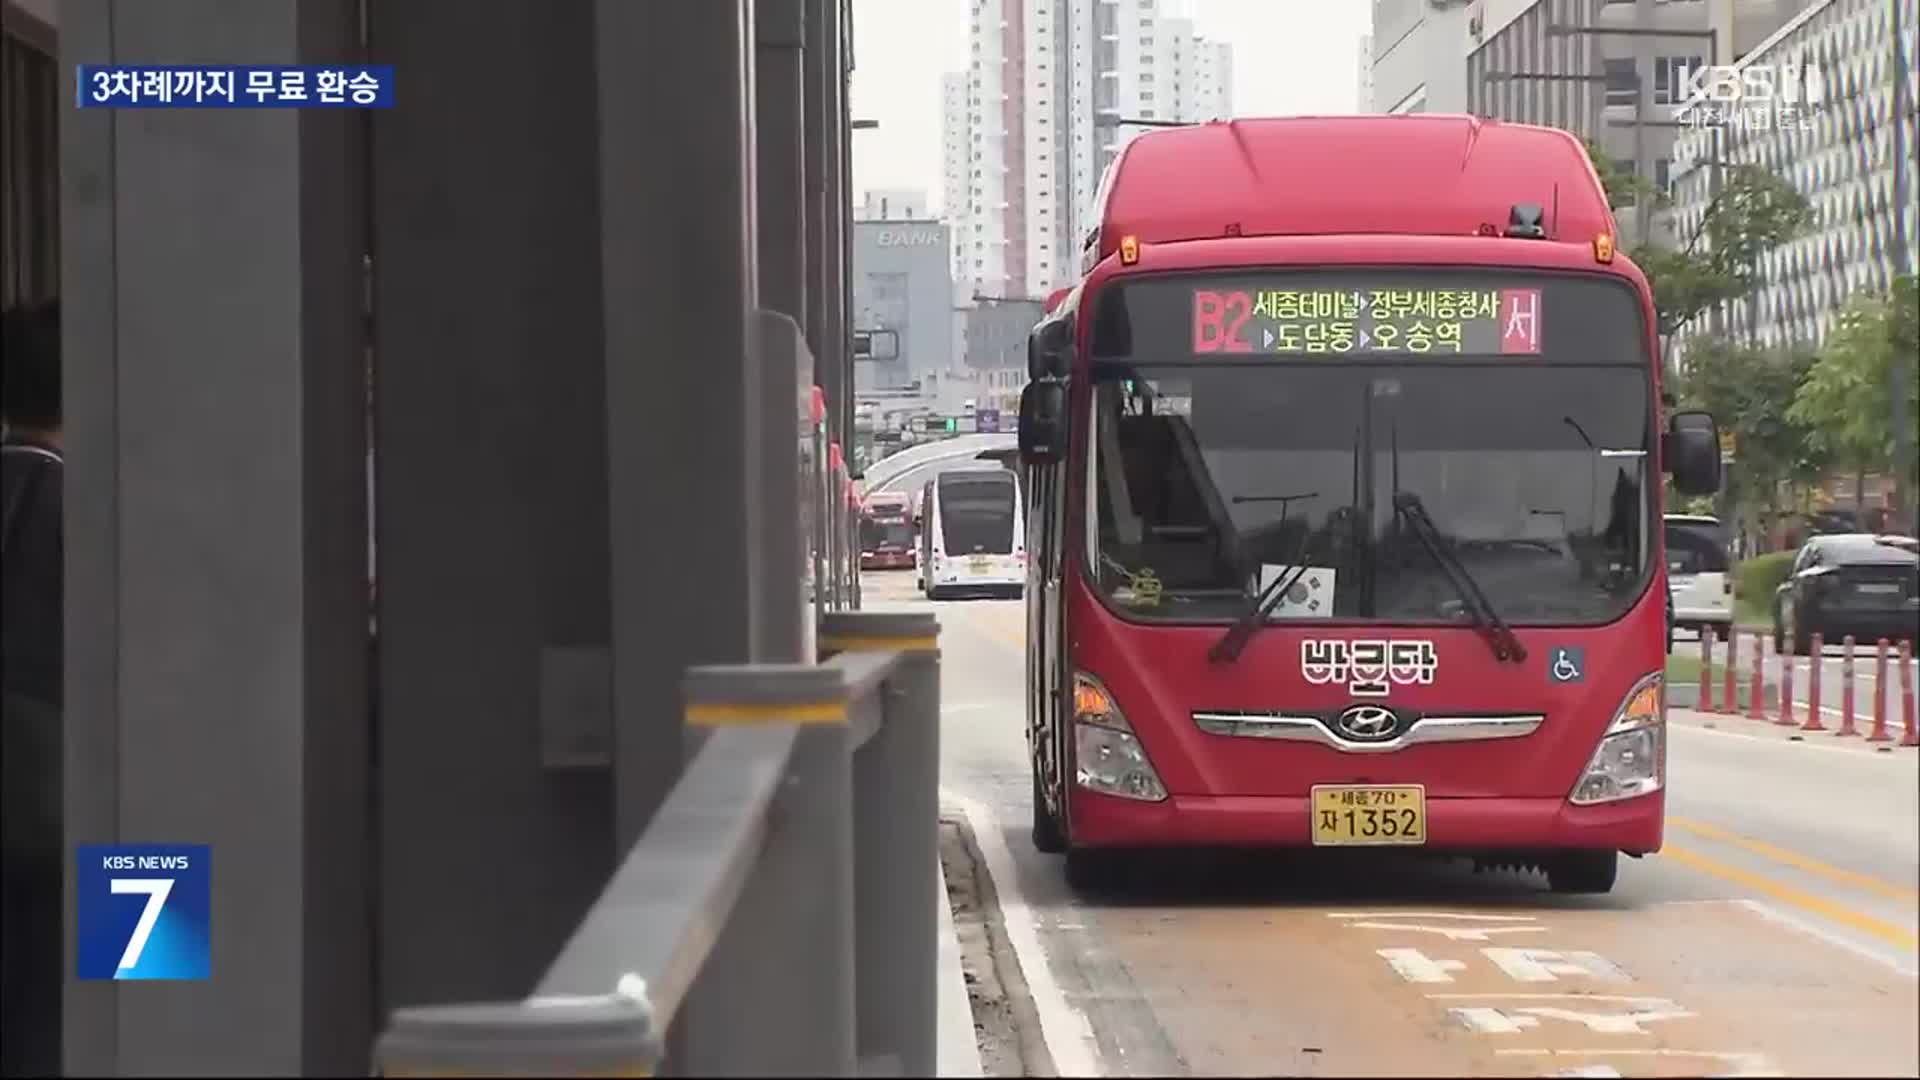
(1366,723)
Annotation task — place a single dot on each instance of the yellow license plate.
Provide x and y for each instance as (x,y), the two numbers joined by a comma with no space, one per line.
(981,564)
(1363,816)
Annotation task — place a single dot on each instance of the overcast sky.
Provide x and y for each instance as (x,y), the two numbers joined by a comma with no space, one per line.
(1289,57)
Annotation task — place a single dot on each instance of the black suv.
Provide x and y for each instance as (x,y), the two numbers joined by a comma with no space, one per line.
(1851,583)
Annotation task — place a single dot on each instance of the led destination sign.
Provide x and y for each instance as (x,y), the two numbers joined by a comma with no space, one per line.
(1284,321)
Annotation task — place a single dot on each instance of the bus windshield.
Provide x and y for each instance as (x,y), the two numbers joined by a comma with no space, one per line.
(890,532)
(976,514)
(1247,430)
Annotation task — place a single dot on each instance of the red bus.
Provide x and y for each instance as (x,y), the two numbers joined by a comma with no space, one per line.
(1344,466)
(886,533)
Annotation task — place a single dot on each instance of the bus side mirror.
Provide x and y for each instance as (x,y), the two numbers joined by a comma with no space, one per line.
(1049,350)
(1043,423)
(1692,451)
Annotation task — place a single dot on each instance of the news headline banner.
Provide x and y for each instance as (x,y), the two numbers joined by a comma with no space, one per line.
(200,86)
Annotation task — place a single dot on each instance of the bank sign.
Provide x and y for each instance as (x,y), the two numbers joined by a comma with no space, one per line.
(1753,95)
(907,238)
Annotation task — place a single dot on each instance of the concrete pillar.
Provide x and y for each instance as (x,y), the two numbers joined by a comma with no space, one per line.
(216,548)
(824,118)
(492,477)
(780,120)
(780,123)
(678,235)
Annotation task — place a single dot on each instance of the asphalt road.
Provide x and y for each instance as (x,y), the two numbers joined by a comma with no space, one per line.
(1775,934)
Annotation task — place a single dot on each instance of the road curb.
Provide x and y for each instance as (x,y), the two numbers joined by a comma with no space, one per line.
(957,1048)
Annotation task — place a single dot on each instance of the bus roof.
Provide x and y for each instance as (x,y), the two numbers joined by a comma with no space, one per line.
(1422,174)
(973,474)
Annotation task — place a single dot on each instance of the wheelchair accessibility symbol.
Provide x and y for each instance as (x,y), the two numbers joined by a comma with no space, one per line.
(1567,665)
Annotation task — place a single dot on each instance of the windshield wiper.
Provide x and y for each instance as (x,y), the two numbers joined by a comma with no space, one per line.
(1234,641)
(1505,644)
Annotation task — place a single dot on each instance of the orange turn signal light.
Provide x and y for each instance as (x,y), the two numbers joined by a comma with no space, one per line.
(1603,248)
(1129,250)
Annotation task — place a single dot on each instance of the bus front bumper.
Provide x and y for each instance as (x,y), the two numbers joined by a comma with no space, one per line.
(1467,826)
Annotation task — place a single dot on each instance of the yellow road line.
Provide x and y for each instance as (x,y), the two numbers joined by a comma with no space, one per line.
(1798,861)
(1834,912)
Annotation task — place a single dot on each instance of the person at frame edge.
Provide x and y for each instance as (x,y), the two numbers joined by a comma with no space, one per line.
(31,660)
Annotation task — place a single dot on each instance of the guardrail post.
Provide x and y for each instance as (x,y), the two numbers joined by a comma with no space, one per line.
(589,1036)
(776,995)
(1814,665)
(1729,701)
(896,779)
(1880,692)
(1705,697)
(1846,689)
(1906,694)
(1786,691)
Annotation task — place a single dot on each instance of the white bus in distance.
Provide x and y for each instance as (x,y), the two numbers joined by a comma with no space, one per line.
(973,535)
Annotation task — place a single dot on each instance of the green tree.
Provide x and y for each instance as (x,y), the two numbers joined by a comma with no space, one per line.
(1754,212)
(1747,391)
(1623,188)
(1846,400)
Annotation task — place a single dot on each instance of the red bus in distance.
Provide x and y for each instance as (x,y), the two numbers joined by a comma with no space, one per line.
(887,533)
(1344,462)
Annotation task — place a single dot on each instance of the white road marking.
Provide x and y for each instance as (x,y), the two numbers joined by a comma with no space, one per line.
(1623,999)
(1494,1021)
(1451,933)
(1768,911)
(946,710)
(1547,965)
(1067,1033)
(1430,915)
(1844,748)
(1489,1021)
(1744,1062)
(1602,1072)
(1416,966)
(1627,1023)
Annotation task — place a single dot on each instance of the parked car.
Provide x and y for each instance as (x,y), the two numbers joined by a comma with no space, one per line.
(1853,583)
(1698,574)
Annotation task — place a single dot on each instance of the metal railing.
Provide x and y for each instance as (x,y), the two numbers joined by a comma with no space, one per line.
(778,915)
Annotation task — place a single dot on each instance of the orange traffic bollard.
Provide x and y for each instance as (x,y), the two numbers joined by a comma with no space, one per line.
(1846,688)
(1729,703)
(1786,691)
(1706,670)
(1813,685)
(1757,686)
(1879,732)
(1906,694)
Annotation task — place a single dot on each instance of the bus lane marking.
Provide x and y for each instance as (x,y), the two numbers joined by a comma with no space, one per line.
(1372,920)
(1499,1014)
(1738,1062)
(1547,965)
(1416,967)
(1511,1020)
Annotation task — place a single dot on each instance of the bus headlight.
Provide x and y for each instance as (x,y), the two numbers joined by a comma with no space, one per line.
(1107,757)
(1632,756)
